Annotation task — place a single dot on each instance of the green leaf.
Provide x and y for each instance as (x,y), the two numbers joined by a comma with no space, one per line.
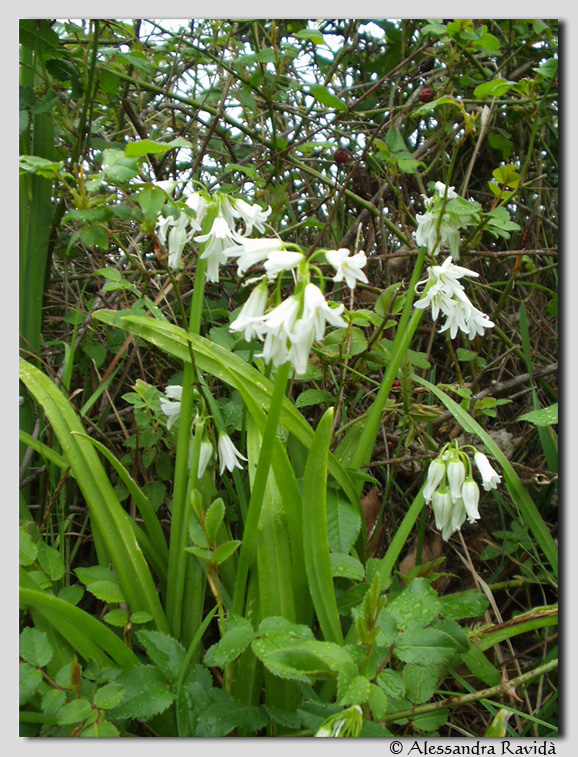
(102,729)
(302,661)
(346,566)
(233,643)
(74,712)
(495,88)
(117,168)
(314,397)
(53,701)
(35,647)
(430,721)
(151,201)
(312,34)
(479,666)
(546,416)
(315,532)
(50,561)
(377,702)
(468,604)
(225,550)
(213,519)
(421,682)
(149,146)
(356,693)
(416,606)
(28,550)
(30,679)
(428,646)
(224,714)
(147,694)
(117,618)
(95,236)
(107,591)
(343,523)
(324,96)
(392,683)
(166,653)
(108,696)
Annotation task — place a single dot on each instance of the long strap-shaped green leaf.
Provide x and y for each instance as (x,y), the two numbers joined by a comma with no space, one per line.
(315,538)
(516,489)
(93,635)
(230,369)
(107,515)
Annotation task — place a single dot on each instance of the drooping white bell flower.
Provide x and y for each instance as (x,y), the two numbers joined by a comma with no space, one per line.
(219,238)
(316,310)
(250,317)
(490,479)
(435,474)
(252,215)
(456,474)
(178,237)
(347,266)
(281,260)
(249,252)
(471,498)
(206,453)
(171,404)
(229,455)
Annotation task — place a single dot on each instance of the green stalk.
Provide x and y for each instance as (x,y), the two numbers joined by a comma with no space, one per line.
(247,551)
(177,562)
(405,330)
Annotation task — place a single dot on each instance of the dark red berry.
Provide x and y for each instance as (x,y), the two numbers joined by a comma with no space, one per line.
(341,156)
(426,95)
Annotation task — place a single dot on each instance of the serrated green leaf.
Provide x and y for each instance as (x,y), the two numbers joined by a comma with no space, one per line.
(232,644)
(356,693)
(140,616)
(53,701)
(108,696)
(30,679)
(107,591)
(427,646)
(35,647)
(346,566)
(421,682)
(430,721)
(50,561)
(147,694)
(102,729)
(377,702)
(468,604)
(224,714)
(74,712)
(392,683)
(71,594)
(164,651)
(117,618)
(416,606)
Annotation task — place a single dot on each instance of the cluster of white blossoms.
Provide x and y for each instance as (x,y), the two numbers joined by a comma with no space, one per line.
(444,293)
(451,489)
(289,329)
(175,232)
(228,455)
(446,213)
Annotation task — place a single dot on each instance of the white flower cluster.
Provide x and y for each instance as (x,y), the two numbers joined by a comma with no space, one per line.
(443,292)
(446,213)
(175,233)
(451,489)
(228,455)
(288,330)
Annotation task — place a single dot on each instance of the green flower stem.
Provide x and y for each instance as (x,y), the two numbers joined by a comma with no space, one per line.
(406,329)
(247,550)
(177,562)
